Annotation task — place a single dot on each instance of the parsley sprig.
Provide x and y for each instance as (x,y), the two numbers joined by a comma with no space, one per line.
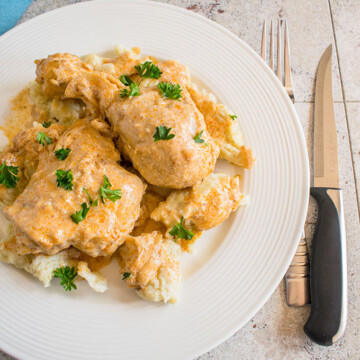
(81,214)
(233,117)
(133,90)
(64,179)
(8,175)
(179,231)
(92,203)
(46,124)
(163,133)
(148,70)
(198,139)
(62,153)
(67,276)
(126,80)
(106,193)
(42,138)
(126,275)
(170,91)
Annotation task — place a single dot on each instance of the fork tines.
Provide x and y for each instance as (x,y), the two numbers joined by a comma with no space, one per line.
(287,82)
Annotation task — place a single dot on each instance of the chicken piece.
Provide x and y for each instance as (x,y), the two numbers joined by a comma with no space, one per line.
(42,213)
(152,265)
(55,72)
(24,152)
(43,266)
(223,130)
(202,207)
(97,90)
(175,163)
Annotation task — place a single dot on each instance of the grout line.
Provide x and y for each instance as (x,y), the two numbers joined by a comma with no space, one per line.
(345,108)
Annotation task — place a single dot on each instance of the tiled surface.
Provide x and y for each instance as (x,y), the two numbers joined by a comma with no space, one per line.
(276,330)
(346,15)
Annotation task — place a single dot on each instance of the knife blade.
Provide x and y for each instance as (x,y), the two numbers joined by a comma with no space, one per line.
(327,320)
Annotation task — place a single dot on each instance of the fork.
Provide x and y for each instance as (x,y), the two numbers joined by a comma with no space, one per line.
(297,280)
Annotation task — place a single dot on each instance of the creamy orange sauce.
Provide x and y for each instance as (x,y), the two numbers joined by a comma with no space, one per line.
(20,116)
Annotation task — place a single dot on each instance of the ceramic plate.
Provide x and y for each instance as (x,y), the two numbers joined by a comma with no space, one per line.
(237,266)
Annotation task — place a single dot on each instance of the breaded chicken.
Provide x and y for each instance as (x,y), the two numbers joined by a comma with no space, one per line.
(42,213)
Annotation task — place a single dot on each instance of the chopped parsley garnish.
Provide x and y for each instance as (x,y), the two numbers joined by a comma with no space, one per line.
(163,133)
(67,276)
(8,175)
(170,91)
(42,138)
(148,70)
(62,154)
(233,117)
(134,90)
(92,203)
(178,231)
(106,193)
(64,179)
(198,139)
(46,124)
(126,275)
(81,214)
(126,80)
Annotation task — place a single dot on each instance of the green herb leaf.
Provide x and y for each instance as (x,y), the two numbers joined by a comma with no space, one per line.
(106,193)
(134,90)
(92,203)
(126,275)
(148,70)
(46,124)
(64,179)
(126,80)
(62,153)
(198,139)
(170,91)
(81,214)
(66,276)
(163,133)
(178,231)
(42,138)
(8,175)
(233,117)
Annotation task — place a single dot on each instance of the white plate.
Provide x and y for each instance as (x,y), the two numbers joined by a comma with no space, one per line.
(238,265)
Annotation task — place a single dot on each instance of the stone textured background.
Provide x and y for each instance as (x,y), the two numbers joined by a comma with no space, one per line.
(276,330)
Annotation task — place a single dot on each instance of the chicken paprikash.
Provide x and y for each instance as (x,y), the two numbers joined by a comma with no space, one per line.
(115,157)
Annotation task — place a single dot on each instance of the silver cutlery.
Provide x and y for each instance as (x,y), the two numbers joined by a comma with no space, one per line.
(297,282)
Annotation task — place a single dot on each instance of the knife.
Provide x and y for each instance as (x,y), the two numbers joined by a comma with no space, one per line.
(327,320)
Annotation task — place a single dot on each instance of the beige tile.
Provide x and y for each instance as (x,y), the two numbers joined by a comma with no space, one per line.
(346,14)
(309,25)
(353,111)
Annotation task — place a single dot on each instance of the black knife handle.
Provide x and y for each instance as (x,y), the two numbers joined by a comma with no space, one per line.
(327,320)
